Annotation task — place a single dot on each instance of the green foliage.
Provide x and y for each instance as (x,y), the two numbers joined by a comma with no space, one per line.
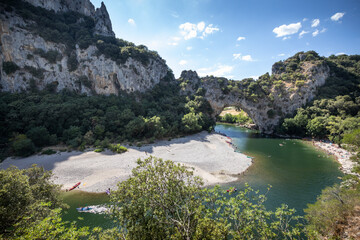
(117,148)
(271,113)
(241,118)
(71,28)
(50,227)
(98,150)
(163,200)
(79,120)
(331,209)
(52,55)
(191,122)
(84,80)
(48,152)
(22,146)
(10,67)
(21,195)
(39,135)
(335,109)
(36,72)
(72,62)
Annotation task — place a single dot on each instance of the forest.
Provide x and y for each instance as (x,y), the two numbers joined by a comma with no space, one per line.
(33,120)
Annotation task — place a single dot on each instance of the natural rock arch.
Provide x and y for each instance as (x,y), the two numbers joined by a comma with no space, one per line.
(265,108)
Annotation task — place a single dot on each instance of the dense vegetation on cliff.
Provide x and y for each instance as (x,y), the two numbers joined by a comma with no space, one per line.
(33,120)
(335,109)
(71,29)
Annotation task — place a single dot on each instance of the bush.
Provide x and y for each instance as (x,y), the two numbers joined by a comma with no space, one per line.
(22,146)
(97,150)
(48,152)
(72,62)
(117,148)
(36,72)
(10,67)
(39,135)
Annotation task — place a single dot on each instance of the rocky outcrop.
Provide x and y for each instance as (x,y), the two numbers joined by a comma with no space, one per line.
(266,111)
(95,73)
(85,7)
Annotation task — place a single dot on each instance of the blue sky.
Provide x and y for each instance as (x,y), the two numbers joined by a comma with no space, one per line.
(236,38)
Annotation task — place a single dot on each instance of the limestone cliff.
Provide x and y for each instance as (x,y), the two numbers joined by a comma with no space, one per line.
(266,100)
(85,7)
(31,58)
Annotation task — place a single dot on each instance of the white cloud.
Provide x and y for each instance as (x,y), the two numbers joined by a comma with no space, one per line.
(219,71)
(305,19)
(302,33)
(210,30)
(337,16)
(237,55)
(188,48)
(247,58)
(285,30)
(286,38)
(340,53)
(191,30)
(323,30)
(315,22)
(281,54)
(183,62)
(131,21)
(201,26)
(240,38)
(173,43)
(255,77)
(315,33)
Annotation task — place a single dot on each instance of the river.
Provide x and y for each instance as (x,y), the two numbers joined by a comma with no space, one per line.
(296,171)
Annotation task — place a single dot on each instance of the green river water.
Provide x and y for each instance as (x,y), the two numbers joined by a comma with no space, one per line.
(296,171)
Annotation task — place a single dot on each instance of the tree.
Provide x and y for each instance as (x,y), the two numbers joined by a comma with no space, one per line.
(190,122)
(161,199)
(39,135)
(327,215)
(22,146)
(164,200)
(22,193)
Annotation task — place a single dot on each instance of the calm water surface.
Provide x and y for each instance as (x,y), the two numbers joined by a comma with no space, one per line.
(296,171)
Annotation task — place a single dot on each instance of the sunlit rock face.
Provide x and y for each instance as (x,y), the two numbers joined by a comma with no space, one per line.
(266,111)
(95,74)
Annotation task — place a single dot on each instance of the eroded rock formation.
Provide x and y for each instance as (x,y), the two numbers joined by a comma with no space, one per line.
(269,106)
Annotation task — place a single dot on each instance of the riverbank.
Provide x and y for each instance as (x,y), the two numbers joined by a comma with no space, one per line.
(341,155)
(210,156)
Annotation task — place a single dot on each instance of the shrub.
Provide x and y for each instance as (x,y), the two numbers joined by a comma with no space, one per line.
(10,67)
(48,152)
(36,72)
(72,62)
(99,150)
(39,135)
(117,148)
(271,113)
(22,146)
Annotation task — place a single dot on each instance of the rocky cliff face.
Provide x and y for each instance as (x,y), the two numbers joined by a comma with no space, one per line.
(265,110)
(85,7)
(37,63)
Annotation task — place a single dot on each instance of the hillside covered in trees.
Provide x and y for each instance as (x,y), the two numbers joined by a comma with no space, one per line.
(335,109)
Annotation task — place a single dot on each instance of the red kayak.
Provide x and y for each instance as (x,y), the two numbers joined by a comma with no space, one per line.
(75,186)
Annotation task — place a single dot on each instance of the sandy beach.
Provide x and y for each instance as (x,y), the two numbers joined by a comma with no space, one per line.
(209,155)
(342,156)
